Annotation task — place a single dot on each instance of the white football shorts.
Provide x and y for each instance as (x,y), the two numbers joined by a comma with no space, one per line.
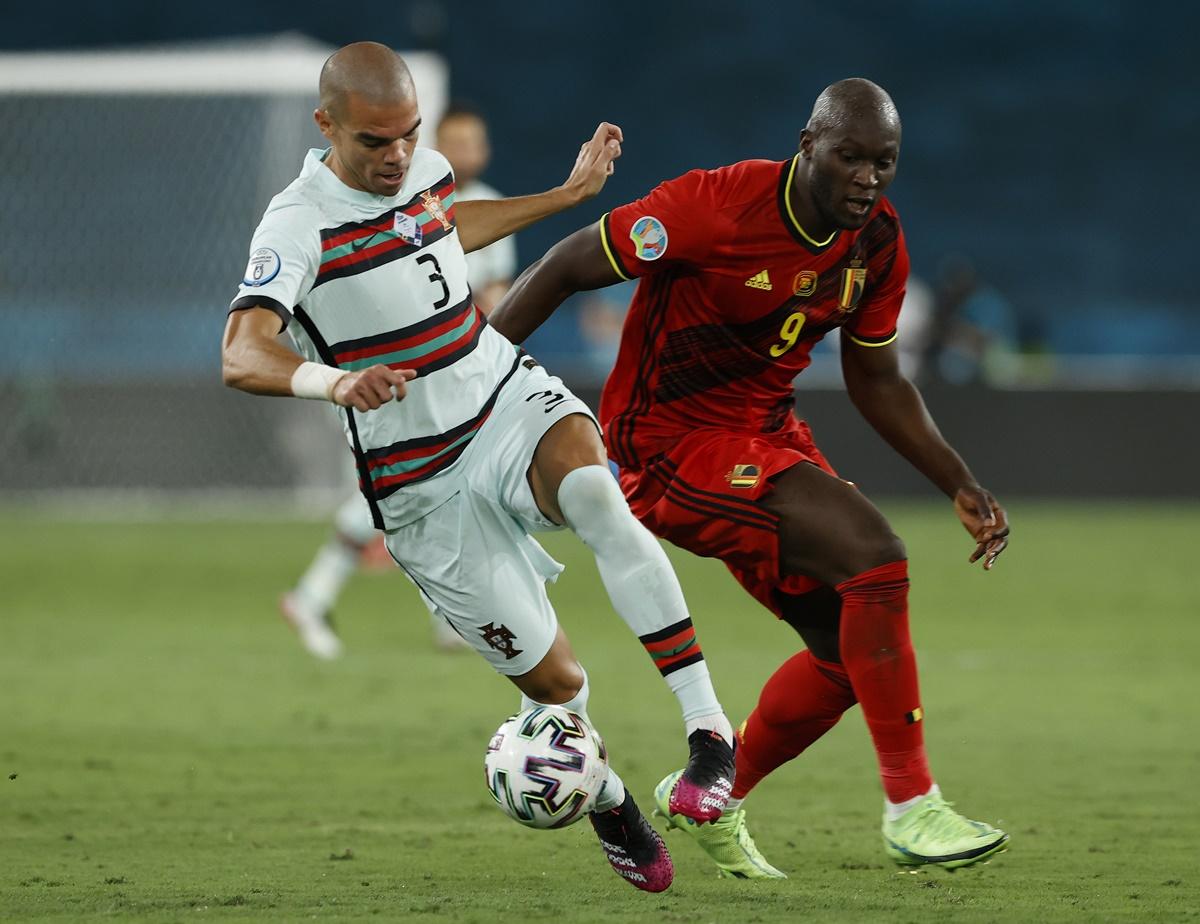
(473,557)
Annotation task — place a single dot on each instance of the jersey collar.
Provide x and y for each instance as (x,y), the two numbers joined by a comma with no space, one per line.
(314,164)
(802,237)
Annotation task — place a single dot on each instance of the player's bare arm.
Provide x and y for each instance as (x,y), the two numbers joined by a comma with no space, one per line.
(254,361)
(482,222)
(894,407)
(575,264)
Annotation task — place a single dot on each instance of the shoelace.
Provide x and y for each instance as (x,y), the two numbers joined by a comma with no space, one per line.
(943,821)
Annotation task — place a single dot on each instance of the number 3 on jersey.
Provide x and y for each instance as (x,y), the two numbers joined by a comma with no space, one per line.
(789,333)
(435,275)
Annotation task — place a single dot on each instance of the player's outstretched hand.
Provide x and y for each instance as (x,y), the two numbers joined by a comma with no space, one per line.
(985,520)
(594,164)
(372,387)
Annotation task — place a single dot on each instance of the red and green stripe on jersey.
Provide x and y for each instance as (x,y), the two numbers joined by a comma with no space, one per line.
(358,246)
(391,468)
(431,344)
(673,647)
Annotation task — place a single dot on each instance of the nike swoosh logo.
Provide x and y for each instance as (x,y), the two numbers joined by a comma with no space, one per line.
(358,245)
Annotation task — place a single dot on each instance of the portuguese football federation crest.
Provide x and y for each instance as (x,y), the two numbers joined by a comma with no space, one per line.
(854,280)
(433,205)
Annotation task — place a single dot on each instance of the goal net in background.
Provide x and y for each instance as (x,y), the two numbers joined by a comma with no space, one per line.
(131,184)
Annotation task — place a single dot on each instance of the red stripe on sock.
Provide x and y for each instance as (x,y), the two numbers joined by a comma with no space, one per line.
(692,649)
(672,642)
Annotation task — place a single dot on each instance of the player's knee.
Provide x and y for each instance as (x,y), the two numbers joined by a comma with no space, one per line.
(883,548)
(555,684)
(593,505)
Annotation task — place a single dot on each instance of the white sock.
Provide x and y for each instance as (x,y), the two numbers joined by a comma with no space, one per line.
(322,583)
(639,579)
(612,795)
(894,810)
(713,722)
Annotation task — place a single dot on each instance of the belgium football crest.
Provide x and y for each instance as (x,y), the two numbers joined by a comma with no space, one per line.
(854,280)
(744,476)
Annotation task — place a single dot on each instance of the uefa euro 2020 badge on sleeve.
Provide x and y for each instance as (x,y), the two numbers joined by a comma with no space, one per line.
(262,268)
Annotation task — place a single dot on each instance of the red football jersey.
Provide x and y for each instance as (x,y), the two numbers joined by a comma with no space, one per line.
(733,296)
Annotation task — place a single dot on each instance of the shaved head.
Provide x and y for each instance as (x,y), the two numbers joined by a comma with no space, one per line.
(849,101)
(368,70)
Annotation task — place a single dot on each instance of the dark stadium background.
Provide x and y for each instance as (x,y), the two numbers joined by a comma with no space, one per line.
(1048,143)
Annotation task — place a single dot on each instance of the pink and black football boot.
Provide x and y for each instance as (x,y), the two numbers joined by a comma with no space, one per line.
(634,849)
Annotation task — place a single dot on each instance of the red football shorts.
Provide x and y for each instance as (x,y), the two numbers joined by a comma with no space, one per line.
(702,494)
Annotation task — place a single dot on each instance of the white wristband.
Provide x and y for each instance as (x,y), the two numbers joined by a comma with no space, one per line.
(316,381)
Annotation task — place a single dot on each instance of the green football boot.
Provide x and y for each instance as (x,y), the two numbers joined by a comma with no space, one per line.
(931,832)
(727,841)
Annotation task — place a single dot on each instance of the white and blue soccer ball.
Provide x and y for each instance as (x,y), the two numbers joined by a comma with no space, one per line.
(545,767)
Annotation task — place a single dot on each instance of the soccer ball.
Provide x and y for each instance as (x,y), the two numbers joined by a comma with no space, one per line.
(546,767)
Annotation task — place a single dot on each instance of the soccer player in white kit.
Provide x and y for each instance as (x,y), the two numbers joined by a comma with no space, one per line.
(462,136)
(464,445)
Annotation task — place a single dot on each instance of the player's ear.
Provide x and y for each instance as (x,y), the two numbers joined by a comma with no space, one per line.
(806,143)
(324,123)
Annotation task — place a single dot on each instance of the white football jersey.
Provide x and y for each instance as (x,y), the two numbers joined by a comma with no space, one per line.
(360,279)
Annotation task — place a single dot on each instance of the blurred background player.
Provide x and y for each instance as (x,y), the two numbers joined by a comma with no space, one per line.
(462,137)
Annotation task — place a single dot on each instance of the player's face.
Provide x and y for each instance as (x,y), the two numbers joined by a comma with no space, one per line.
(850,168)
(463,140)
(372,144)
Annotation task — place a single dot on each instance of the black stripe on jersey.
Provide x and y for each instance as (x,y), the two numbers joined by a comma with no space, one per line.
(369,223)
(402,333)
(612,246)
(785,171)
(465,350)
(623,424)
(360,460)
(381,259)
(881,233)
(695,359)
(438,439)
(262,301)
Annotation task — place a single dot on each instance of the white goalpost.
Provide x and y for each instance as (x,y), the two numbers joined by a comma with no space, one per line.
(132,181)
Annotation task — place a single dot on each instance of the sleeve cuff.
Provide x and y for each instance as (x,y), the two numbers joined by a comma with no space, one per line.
(262,301)
(868,341)
(609,250)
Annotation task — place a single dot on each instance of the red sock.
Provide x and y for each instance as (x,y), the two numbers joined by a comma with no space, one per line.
(802,700)
(878,655)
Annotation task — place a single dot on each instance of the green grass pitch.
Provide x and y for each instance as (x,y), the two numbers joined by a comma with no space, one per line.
(169,753)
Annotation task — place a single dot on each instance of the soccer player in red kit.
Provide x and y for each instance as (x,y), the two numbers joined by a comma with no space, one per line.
(743,269)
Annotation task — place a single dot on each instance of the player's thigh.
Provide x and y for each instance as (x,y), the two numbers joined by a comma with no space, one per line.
(828,530)
(703,496)
(541,432)
(485,575)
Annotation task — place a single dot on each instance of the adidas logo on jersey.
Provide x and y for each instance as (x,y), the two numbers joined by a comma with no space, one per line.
(760,280)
